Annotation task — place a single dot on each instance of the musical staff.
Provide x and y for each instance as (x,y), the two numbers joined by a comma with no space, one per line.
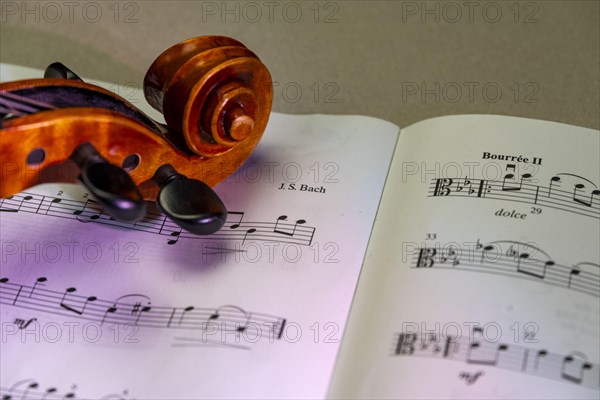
(513,259)
(565,192)
(136,309)
(573,367)
(89,211)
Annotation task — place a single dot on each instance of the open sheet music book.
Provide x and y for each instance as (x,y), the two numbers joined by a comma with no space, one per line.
(481,277)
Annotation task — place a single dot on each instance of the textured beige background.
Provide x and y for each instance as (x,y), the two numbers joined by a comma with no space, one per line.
(345,57)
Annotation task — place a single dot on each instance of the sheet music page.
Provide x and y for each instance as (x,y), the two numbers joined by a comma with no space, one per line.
(481,278)
(96,308)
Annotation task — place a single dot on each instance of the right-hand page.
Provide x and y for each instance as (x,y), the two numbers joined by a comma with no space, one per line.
(482,276)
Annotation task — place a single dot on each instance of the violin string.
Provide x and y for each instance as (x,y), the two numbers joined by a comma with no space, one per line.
(14,110)
(16,107)
(28,100)
(6,111)
(16,102)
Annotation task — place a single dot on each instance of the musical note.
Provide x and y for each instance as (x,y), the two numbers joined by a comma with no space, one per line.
(49,391)
(472,349)
(516,259)
(282,230)
(37,282)
(536,269)
(238,222)
(167,227)
(183,312)
(553,180)
(510,177)
(28,385)
(576,196)
(226,313)
(176,235)
(85,216)
(249,231)
(510,182)
(140,311)
(109,310)
(96,216)
(540,355)
(26,198)
(486,251)
(72,307)
(79,212)
(54,201)
(595,192)
(576,361)
(574,272)
(583,274)
(475,345)
(17,295)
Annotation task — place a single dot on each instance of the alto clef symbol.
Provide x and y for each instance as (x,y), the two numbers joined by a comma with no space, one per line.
(442,187)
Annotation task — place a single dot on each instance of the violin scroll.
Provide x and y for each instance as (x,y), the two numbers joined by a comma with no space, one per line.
(213,92)
(215,96)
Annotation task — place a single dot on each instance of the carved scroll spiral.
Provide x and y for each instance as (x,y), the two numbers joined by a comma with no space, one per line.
(215,94)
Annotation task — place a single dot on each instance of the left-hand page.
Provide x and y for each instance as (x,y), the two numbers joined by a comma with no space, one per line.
(92,307)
